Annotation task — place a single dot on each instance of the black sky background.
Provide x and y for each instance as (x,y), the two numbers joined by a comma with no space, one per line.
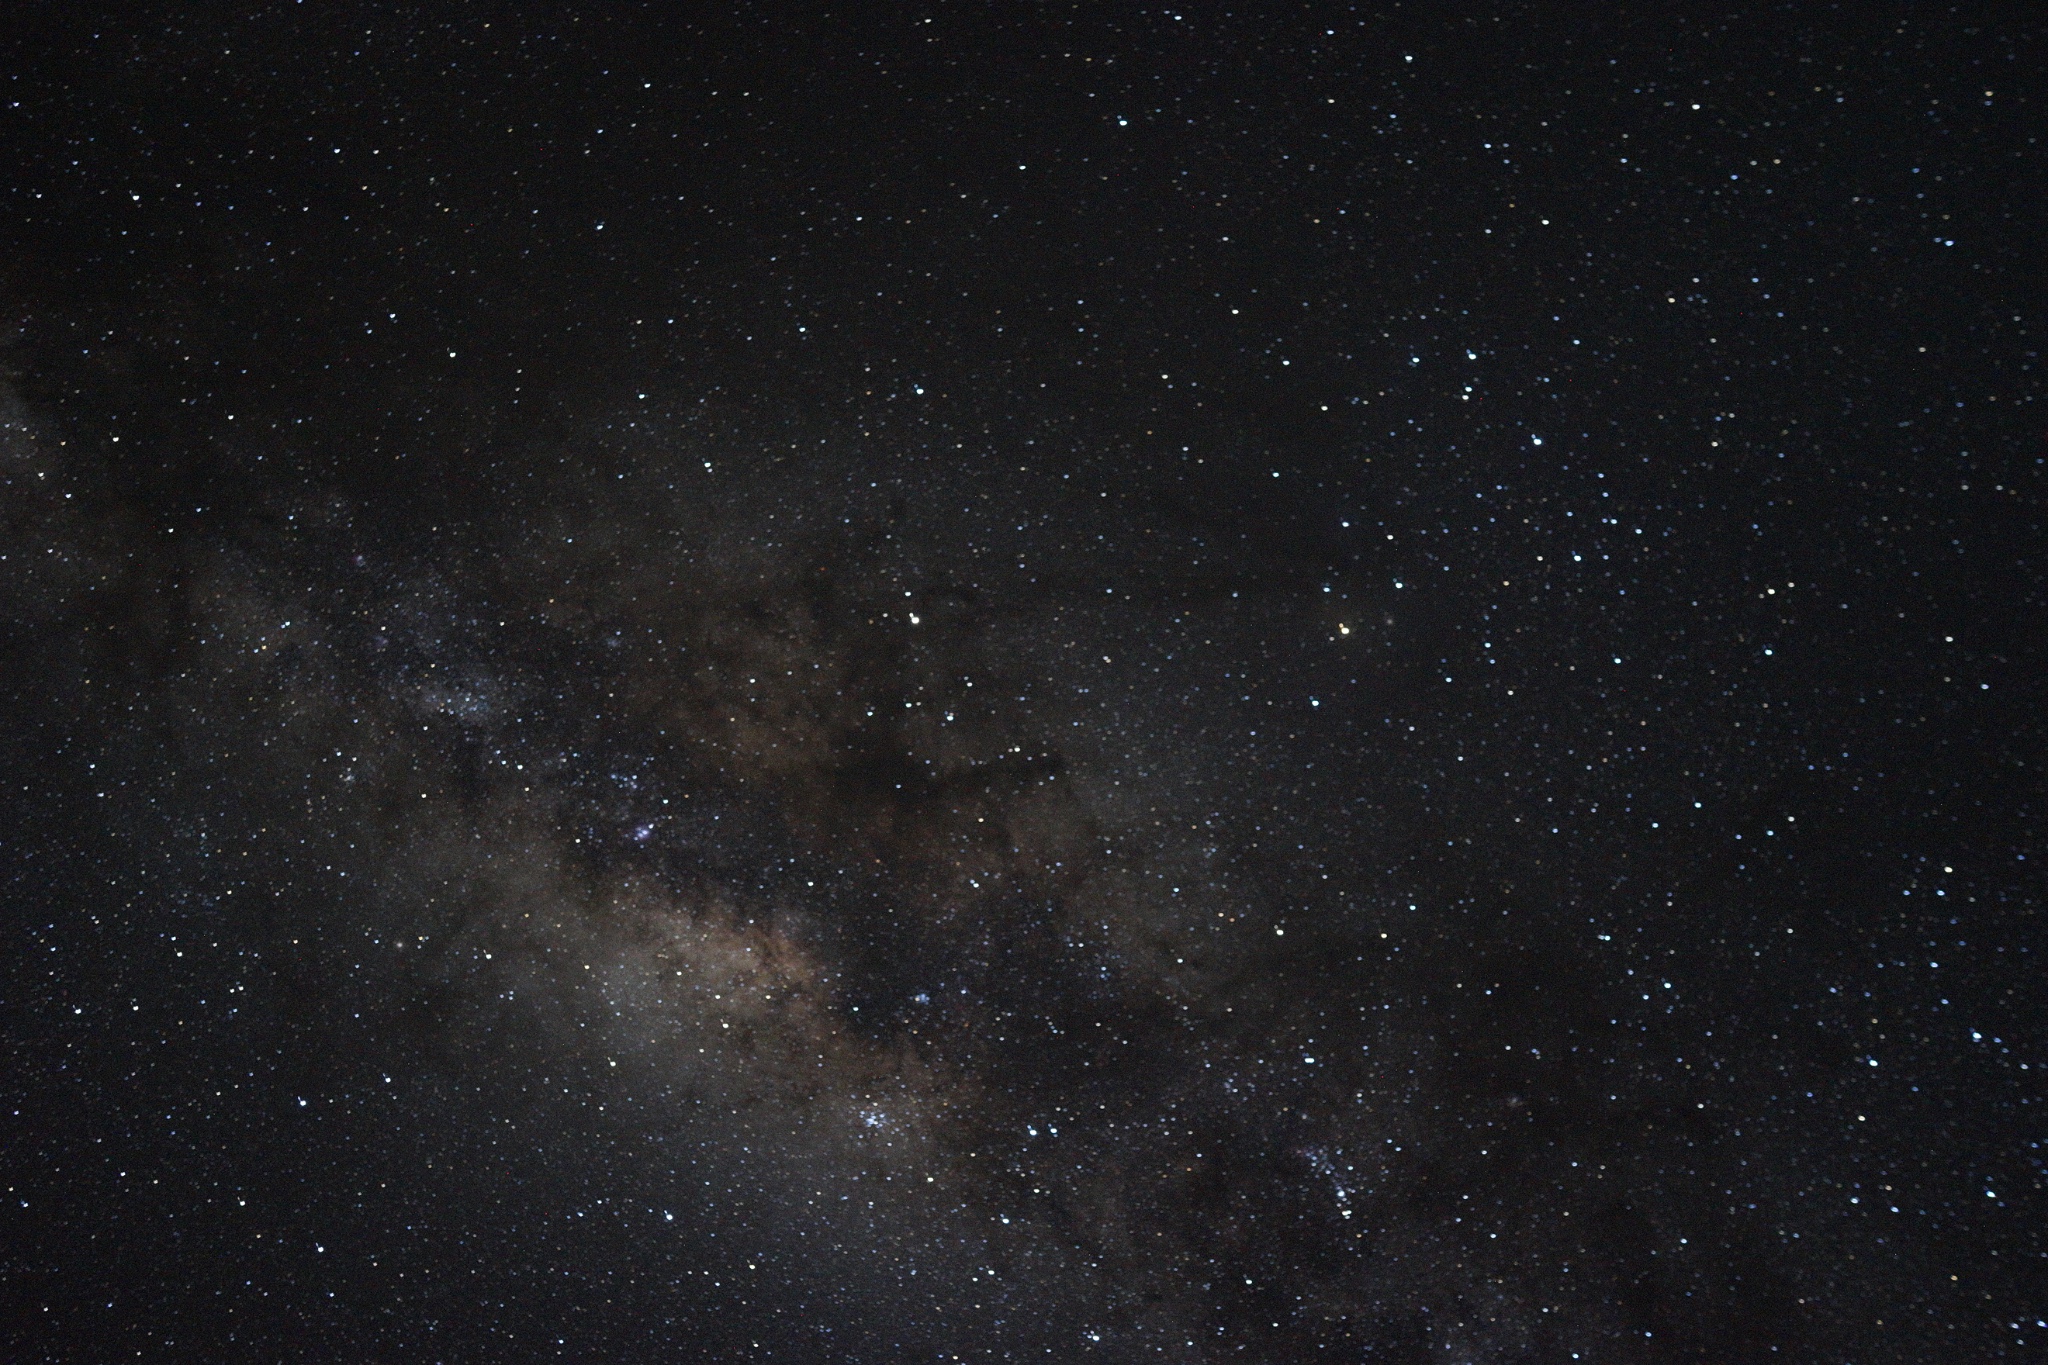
(1022,682)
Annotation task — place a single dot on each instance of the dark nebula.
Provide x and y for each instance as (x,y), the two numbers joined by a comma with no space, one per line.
(1021,683)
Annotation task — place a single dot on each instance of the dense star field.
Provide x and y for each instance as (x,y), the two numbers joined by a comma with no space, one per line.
(1030,682)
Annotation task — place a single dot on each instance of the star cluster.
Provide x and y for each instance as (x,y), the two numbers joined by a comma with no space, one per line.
(1001,683)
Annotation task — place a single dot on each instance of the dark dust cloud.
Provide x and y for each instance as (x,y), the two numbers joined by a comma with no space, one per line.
(1021,683)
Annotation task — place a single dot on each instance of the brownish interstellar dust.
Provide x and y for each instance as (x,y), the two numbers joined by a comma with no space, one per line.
(889,931)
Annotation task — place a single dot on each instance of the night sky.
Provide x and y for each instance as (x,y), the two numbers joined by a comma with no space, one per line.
(1022,682)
